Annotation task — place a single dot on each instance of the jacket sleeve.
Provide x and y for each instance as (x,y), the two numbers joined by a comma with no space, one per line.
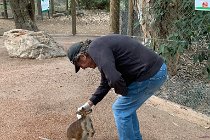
(113,76)
(101,91)
(115,79)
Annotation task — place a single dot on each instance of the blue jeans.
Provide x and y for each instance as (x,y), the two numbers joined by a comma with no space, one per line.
(125,107)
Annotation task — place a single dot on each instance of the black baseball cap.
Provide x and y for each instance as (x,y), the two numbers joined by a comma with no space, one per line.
(73,51)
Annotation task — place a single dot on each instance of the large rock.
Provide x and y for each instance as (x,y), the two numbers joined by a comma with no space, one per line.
(28,44)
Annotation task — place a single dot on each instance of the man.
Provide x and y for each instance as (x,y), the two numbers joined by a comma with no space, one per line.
(134,71)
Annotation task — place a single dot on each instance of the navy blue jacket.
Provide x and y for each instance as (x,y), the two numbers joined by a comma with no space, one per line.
(121,61)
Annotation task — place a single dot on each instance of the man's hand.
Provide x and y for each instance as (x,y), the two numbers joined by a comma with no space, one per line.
(87,106)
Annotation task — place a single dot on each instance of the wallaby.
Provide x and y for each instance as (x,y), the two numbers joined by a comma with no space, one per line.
(82,128)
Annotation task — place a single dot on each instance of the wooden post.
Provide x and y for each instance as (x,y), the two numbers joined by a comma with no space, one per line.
(114,16)
(67,6)
(5,9)
(48,13)
(130,18)
(52,11)
(39,8)
(73,15)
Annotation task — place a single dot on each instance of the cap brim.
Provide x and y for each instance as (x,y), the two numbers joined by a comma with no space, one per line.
(77,68)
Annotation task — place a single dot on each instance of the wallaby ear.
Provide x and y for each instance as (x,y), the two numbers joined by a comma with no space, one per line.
(78,112)
(83,111)
(89,111)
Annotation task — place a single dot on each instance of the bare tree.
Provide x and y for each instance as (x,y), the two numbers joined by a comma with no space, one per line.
(5,9)
(130,18)
(52,9)
(39,8)
(24,14)
(67,6)
(73,15)
(114,15)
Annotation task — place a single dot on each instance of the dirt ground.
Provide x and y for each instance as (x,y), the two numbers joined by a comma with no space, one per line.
(90,22)
(38,98)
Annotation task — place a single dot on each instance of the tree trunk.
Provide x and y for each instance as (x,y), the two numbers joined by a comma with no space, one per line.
(24,14)
(114,16)
(5,9)
(124,17)
(130,18)
(73,15)
(39,9)
(67,6)
(52,10)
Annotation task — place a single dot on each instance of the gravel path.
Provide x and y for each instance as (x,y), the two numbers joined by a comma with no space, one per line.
(38,98)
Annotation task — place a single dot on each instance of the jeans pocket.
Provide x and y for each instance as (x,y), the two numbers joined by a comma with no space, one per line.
(156,83)
(162,73)
(157,80)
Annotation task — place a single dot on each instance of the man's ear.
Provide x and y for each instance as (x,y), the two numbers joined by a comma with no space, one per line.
(82,57)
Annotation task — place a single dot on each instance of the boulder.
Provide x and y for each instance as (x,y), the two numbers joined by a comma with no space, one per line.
(29,44)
